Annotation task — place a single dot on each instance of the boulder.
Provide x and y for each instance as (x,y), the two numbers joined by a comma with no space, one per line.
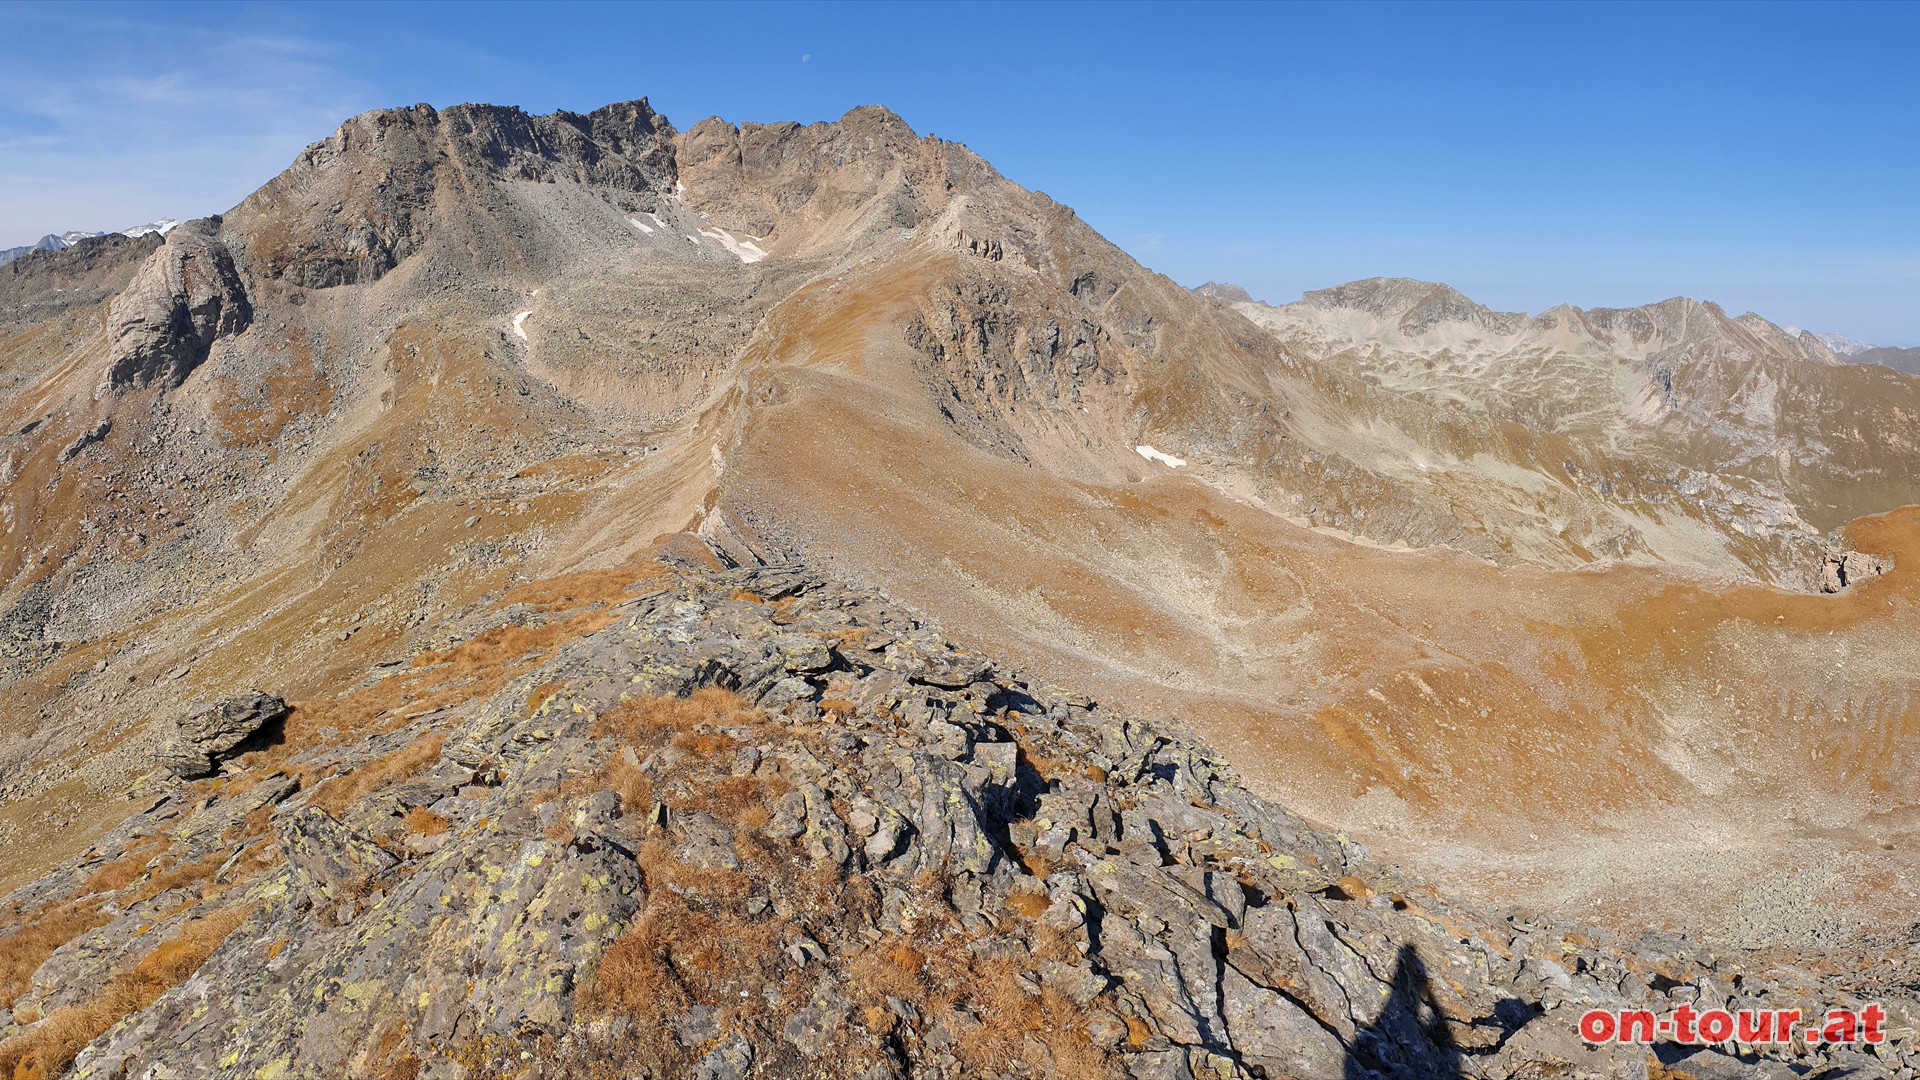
(214,729)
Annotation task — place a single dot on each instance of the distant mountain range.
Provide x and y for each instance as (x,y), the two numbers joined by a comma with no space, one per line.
(1842,346)
(1907,360)
(62,241)
(1847,350)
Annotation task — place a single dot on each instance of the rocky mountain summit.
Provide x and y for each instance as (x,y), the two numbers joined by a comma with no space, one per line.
(758,823)
(333,533)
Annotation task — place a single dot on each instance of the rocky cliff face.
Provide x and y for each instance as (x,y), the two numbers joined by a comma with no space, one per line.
(357,204)
(165,322)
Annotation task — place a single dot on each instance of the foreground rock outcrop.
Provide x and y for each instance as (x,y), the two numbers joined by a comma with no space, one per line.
(187,295)
(757,823)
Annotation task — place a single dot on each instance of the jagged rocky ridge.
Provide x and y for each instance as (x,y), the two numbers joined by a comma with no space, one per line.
(763,824)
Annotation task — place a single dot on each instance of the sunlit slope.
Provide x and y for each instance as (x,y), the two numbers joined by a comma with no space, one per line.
(1467,585)
(1426,698)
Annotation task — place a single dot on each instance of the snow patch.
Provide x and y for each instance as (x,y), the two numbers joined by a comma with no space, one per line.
(635,222)
(1151,454)
(518,319)
(747,251)
(159,225)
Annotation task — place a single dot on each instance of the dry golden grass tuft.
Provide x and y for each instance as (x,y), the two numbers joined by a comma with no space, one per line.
(569,591)
(675,956)
(838,707)
(540,694)
(125,870)
(705,744)
(990,1004)
(1046,767)
(178,875)
(25,949)
(340,792)
(421,821)
(1028,905)
(651,720)
(256,823)
(48,1047)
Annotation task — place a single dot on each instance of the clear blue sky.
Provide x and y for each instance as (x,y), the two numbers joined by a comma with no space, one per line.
(1764,156)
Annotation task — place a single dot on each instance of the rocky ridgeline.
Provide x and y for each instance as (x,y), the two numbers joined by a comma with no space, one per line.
(766,825)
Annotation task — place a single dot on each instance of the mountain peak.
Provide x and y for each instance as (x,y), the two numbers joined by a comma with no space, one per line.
(878,116)
(1223,292)
(1839,343)
(1416,305)
(1387,295)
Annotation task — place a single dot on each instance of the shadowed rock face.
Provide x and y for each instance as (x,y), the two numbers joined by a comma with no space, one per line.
(1504,596)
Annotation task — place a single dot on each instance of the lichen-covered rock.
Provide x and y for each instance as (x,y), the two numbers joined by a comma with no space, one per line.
(329,861)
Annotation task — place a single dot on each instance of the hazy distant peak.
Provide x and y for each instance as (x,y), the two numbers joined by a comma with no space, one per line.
(1385,295)
(1223,292)
(1840,344)
(1417,305)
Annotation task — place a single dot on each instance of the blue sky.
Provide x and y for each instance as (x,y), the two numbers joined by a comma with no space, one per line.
(1764,156)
